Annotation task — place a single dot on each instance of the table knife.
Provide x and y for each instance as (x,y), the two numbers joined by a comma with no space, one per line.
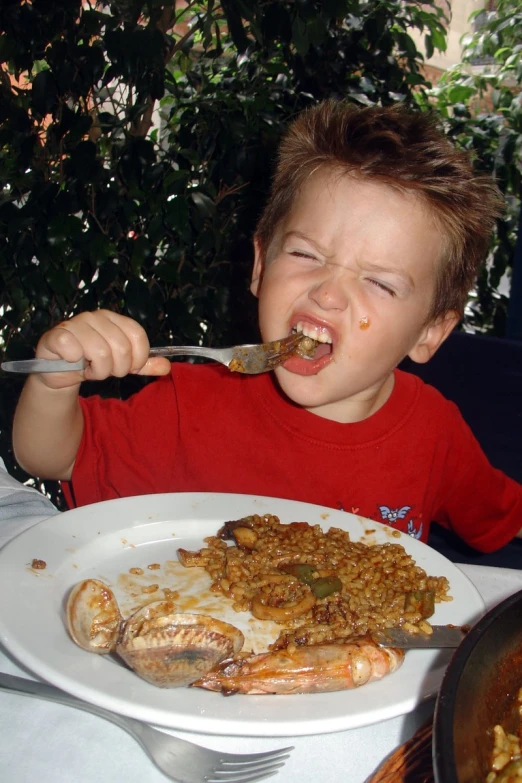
(442,636)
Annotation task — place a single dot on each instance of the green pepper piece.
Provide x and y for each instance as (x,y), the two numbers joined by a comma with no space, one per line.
(302,571)
(422,601)
(326,585)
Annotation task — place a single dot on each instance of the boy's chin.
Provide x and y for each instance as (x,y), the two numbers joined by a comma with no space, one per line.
(305,390)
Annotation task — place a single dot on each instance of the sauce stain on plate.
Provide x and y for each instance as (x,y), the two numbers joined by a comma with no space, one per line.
(190,589)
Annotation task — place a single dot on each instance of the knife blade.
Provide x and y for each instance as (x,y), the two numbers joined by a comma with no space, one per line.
(442,636)
(43,365)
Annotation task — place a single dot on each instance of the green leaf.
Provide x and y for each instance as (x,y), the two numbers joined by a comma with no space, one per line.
(44,95)
(7,48)
(177,214)
(139,303)
(140,250)
(439,40)
(460,93)
(84,164)
(407,44)
(65,227)
(300,37)
(204,204)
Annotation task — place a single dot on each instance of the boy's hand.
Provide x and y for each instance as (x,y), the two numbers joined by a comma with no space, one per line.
(113,345)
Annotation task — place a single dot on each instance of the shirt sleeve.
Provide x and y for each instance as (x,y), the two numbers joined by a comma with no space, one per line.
(482,505)
(128,447)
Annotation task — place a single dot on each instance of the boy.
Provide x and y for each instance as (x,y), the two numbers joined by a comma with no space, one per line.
(369,242)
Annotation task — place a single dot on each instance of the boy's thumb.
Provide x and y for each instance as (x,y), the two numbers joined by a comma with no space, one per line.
(155,365)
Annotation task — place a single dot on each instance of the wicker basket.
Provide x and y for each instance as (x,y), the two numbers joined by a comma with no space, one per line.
(410,763)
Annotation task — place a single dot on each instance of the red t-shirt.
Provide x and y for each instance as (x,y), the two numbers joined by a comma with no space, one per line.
(204,429)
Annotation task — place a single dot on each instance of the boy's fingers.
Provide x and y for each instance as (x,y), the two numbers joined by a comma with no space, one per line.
(82,338)
(59,342)
(126,338)
(156,365)
(134,333)
(113,344)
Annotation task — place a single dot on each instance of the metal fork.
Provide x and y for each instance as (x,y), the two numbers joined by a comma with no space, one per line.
(249,359)
(178,759)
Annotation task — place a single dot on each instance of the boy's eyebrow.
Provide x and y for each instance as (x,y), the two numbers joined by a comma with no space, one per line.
(302,235)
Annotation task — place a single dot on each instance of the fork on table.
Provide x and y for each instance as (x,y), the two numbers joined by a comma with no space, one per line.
(248,359)
(178,759)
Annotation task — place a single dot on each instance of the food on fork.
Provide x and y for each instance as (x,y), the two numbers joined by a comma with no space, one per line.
(275,353)
(307,347)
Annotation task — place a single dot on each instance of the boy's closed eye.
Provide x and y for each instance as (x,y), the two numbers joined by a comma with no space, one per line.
(381,286)
(393,282)
(302,254)
(308,256)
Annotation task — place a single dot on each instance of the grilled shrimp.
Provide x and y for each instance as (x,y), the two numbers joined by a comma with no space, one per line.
(314,669)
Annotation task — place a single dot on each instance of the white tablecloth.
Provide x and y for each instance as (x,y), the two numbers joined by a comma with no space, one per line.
(48,743)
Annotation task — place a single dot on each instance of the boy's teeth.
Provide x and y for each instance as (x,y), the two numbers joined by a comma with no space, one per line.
(316,334)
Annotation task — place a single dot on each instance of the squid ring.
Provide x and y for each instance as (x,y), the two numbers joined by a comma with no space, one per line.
(280,614)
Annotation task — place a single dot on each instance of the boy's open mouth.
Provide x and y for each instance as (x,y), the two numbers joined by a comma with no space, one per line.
(313,352)
(318,342)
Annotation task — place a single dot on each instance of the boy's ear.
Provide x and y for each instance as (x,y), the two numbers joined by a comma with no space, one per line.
(433,336)
(258,268)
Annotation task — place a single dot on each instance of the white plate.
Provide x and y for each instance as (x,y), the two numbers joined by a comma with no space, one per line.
(107,539)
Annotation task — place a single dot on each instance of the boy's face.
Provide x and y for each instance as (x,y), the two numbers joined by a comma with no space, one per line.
(355,264)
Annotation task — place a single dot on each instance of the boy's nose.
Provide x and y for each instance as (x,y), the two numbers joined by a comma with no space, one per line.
(330,294)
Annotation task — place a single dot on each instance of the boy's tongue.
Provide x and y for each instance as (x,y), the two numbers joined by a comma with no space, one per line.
(322,349)
(309,365)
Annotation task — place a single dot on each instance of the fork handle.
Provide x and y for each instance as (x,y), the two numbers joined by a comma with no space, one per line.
(42,690)
(185,350)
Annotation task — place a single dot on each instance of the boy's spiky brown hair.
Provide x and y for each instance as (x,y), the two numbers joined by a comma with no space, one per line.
(406,150)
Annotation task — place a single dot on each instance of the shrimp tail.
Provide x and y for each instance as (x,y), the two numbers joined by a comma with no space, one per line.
(314,669)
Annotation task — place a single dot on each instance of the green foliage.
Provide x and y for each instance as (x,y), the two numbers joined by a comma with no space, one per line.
(481,102)
(136,146)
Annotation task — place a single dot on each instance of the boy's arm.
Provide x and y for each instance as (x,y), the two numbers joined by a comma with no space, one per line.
(47,429)
(48,424)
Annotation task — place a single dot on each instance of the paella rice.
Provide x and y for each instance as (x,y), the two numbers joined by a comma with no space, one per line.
(506,757)
(320,586)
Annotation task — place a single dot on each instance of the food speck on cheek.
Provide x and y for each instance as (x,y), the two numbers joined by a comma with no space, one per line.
(365,322)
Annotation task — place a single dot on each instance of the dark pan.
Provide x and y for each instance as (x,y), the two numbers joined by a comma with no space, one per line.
(478,690)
